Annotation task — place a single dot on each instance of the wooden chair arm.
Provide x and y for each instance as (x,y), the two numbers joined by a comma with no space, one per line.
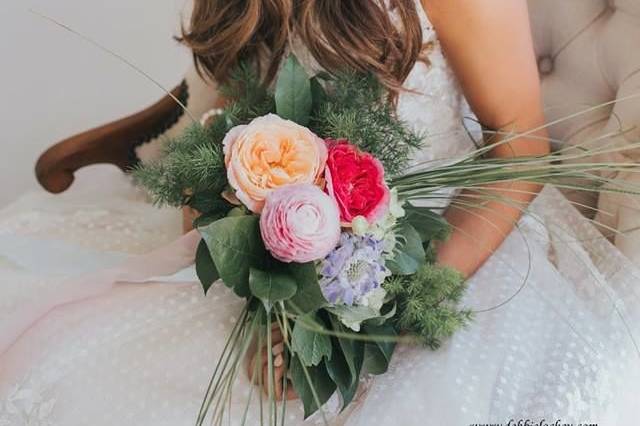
(114,143)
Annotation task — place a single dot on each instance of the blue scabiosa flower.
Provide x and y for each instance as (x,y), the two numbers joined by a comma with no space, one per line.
(354,269)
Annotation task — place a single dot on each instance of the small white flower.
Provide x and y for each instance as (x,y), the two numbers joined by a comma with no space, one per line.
(360,226)
(395,206)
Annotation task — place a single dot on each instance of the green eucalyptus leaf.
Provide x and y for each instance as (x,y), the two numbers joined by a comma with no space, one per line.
(293,92)
(410,254)
(271,286)
(235,246)
(309,297)
(205,268)
(353,350)
(387,346)
(430,225)
(310,346)
(374,360)
(318,94)
(341,375)
(318,381)
(237,211)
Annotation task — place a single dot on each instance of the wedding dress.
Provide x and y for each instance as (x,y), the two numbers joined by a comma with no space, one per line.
(554,337)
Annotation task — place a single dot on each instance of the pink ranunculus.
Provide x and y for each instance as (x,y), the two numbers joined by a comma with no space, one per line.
(300,223)
(355,179)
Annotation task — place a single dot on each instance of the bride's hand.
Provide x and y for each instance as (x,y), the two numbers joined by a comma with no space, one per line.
(260,359)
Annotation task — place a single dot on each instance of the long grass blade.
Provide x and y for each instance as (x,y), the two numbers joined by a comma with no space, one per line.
(118,57)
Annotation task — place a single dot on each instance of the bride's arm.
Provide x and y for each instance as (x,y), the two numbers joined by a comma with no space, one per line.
(488,44)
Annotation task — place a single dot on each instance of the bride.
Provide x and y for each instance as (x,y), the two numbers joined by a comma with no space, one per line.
(557,309)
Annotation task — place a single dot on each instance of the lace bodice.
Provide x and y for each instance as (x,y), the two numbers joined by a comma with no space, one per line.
(433,103)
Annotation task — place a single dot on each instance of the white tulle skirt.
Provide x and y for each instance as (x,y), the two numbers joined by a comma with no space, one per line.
(93,331)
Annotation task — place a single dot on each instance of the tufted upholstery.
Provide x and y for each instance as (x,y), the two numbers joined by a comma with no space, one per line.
(589,54)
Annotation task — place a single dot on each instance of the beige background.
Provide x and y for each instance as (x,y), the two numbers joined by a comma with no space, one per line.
(54,84)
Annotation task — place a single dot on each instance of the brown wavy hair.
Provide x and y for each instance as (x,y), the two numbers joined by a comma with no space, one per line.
(382,37)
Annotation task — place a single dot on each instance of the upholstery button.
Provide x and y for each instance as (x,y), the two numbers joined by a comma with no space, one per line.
(545,65)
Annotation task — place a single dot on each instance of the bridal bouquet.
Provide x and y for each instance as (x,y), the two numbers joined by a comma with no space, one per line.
(308,211)
(318,243)
(297,216)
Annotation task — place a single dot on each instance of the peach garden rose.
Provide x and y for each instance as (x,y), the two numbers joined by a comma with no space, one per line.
(269,153)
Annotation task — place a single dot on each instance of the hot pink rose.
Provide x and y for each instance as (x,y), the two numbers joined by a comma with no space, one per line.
(299,223)
(355,180)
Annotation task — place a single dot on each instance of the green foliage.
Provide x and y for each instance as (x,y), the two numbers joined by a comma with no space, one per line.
(205,268)
(353,316)
(377,355)
(293,92)
(249,97)
(310,345)
(428,303)
(233,250)
(430,225)
(346,362)
(309,297)
(338,370)
(271,286)
(340,356)
(312,384)
(192,164)
(352,349)
(318,94)
(357,108)
(410,254)
(211,205)
(235,246)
